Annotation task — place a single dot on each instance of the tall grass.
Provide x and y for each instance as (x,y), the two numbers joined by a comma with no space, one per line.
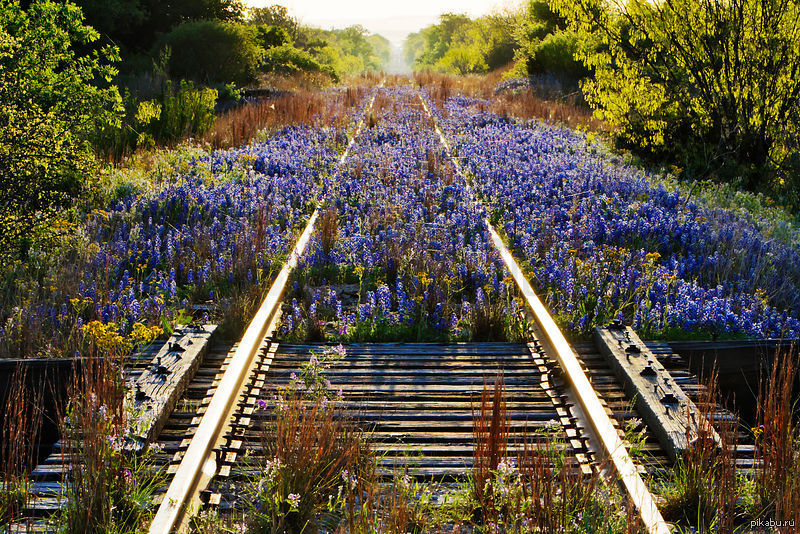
(545,491)
(568,109)
(490,428)
(105,489)
(777,444)
(701,491)
(312,460)
(22,422)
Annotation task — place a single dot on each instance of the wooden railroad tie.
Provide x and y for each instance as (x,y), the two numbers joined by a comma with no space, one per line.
(157,390)
(668,411)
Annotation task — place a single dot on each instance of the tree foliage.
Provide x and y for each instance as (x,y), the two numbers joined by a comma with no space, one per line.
(713,84)
(211,51)
(51,98)
(136,25)
(460,45)
(546,45)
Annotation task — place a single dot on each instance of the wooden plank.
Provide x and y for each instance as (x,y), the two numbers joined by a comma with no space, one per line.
(669,413)
(156,391)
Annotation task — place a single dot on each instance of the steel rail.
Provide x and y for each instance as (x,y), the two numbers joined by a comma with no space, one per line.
(199,465)
(605,433)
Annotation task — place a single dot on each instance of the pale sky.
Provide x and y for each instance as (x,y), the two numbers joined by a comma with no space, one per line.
(394,20)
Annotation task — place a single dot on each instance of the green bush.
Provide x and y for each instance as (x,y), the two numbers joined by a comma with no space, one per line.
(546,46)
(554,54)
(213,52)
(462,60)
(287,59)
(189,111)
(271,36)
(185,111)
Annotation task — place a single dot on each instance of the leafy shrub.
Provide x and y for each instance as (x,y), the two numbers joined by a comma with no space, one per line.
(187,111)
(460,45)
(555,54)
(271,36)
(211,51)
(462,60)
(287,59)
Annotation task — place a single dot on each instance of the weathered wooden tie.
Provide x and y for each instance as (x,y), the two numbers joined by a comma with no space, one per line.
(669,412)
(155,392)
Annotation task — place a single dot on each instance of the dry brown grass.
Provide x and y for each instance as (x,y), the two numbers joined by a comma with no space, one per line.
(314,108)
(22,423)
(702,490)
(777,440)
(329,229)
(490,428)
(567,110)
(318,451)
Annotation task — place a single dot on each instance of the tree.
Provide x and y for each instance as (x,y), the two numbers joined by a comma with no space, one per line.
(546,45)
(439,37)
(460,45)
(269,36)
(210,51)
(715,83)
(136,25)
(51,99)
(274,16)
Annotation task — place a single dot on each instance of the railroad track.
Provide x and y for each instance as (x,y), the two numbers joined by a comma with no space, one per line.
(417,399)
(417,408)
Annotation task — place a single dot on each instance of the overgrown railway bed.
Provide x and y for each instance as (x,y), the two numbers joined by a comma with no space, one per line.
(418,401)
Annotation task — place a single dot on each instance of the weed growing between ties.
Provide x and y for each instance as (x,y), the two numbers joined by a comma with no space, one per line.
(317,471)
(545,491)
(775,489)
(701,488)
(707,492)
(105,488)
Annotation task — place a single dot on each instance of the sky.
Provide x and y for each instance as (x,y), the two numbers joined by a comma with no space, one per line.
(394,20)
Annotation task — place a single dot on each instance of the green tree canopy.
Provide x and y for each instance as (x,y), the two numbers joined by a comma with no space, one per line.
(51,99)
(135,25)
(460,45)
(546,44)
(210,51)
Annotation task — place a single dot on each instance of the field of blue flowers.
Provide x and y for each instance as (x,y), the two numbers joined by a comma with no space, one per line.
(401,252)
(604,240)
